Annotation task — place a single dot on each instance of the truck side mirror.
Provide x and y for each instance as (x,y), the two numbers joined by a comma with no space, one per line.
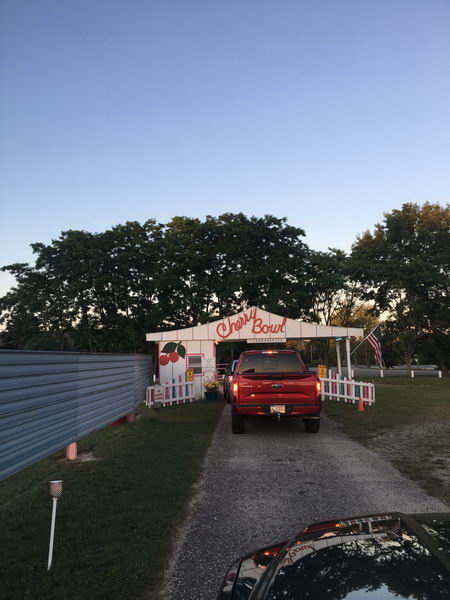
(228,372)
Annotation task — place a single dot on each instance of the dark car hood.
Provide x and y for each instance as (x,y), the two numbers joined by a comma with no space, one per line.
(376,557)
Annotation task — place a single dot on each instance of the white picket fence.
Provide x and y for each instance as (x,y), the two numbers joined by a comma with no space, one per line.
(167,394)
(341,389)
(334,387)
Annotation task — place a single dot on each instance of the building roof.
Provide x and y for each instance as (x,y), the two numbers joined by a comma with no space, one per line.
(254,324)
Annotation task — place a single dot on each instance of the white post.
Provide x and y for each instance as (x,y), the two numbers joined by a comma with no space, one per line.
(349,364)
(381,373)
(440,374)
(338,356)
(52,534)
(412,373)
(56,488)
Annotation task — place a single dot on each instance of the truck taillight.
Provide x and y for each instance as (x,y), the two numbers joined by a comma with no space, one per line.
(318,387)
(235,388)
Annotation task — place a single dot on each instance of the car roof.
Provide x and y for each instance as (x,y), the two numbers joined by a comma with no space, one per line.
(407,537)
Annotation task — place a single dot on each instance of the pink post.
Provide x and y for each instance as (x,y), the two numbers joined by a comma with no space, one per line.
(366,392)
(71,451)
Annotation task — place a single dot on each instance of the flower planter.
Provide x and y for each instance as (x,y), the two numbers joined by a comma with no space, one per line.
(212,395)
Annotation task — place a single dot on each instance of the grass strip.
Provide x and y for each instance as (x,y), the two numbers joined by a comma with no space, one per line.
(118,513)
(409,426)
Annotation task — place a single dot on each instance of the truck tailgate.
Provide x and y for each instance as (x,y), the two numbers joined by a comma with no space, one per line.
(277,388)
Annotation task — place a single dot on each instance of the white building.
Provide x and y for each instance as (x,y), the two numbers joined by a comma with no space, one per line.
(195,347)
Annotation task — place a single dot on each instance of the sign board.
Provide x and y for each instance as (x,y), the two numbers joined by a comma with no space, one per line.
(250,322)
(159,393)
(208,364)
(266,341)
(189,374)
(321,371)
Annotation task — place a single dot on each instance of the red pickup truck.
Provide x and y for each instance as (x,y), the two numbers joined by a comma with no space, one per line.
(274,382)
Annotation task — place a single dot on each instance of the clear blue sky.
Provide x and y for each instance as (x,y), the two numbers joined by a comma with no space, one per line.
(326,112)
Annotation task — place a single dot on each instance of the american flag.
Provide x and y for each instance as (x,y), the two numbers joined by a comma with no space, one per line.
(374,339)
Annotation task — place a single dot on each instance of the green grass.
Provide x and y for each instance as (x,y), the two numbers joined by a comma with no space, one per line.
(409,425)
(117,514)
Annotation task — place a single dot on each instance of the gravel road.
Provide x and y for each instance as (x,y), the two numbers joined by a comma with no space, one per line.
(265,485)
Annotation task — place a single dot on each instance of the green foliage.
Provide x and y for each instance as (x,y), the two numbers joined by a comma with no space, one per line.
(226,263)
(329,283)
(404,268)
(103,291)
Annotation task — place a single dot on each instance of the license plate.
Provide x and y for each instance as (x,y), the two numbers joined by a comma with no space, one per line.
(278,408)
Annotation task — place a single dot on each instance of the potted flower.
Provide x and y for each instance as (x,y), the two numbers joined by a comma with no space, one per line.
(212,389)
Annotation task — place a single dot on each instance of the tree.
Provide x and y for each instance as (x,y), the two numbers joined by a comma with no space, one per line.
(228,263)
(102,291)
(189,263)
(336,297)
(263,262)
(36,307)
(90,292)
(404,266)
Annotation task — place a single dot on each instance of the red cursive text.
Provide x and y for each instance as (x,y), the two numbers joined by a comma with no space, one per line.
(226,328)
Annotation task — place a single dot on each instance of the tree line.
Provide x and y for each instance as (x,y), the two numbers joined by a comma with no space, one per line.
(104,291)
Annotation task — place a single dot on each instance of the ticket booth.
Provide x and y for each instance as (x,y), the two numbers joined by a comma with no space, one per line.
(192,351)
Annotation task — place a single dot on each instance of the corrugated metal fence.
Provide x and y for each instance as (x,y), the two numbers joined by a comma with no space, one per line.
(50,399)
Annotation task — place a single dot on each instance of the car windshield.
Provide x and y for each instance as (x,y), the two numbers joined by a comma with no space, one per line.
(271,363)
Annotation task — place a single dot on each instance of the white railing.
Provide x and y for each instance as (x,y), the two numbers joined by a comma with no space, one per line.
(341,389)
(167,394)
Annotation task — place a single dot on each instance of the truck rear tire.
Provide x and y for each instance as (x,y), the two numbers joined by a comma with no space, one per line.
(237,423)
(312,425)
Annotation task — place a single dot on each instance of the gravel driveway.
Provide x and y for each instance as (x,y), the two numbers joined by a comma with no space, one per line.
(265,485)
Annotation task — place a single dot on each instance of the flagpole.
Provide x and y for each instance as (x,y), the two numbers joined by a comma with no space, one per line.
(360,344)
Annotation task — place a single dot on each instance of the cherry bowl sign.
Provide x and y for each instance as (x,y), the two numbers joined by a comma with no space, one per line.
(250,325)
